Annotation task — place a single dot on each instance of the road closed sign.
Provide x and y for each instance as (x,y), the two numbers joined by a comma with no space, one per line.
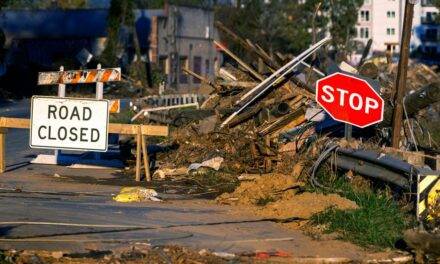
(69,123)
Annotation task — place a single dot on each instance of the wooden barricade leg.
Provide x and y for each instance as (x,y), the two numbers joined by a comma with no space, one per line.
(3,132)
(146,162)
(138,154)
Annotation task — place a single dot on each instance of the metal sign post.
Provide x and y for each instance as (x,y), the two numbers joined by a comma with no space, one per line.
(61,93)
(99,96)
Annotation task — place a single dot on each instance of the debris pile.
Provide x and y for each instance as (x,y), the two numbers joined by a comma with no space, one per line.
(262,125)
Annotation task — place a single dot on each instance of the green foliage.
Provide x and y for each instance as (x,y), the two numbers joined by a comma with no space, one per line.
(123,117)
(378,222)
(286,25)
(158,4)
(120,14)
(43,4)
(437,4)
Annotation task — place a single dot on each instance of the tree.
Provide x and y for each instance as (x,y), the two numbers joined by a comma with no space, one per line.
(286,25)
(343,17)
(437,4)
(43,4)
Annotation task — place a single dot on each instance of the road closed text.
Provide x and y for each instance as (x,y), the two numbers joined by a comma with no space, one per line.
(353,100)
(65,123)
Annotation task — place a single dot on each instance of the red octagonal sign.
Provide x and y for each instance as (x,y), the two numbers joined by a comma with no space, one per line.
(349,99)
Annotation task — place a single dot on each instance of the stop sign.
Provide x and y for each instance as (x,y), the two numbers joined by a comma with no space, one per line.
(349,99)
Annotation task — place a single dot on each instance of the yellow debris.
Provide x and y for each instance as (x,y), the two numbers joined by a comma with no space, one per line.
(136,194)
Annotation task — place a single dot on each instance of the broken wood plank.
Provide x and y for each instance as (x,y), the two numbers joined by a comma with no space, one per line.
(128,129)
(239,61)
(238,84)
(290,120)
(3,132)
(201,78)
(138,154)
(146,161)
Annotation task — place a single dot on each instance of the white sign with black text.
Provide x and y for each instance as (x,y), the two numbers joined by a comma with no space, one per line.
(69,123)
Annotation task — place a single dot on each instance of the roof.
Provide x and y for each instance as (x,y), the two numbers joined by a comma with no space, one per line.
(59,23)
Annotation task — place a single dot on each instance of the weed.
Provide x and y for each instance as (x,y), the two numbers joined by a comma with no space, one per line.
(262,201)
(378,222)
(123,117)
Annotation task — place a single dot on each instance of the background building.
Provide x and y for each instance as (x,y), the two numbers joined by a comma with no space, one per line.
(42,39)
(183,38)
(382,20)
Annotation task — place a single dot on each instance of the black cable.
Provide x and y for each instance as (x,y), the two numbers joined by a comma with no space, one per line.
(324,156)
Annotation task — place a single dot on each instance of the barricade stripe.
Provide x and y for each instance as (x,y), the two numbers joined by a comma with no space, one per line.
(92,76)
(105,76)
(426,182)
(425,186)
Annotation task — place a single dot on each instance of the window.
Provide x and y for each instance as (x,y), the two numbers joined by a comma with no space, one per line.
(428,3)
(163,64)
(197,67)
(391,14)
(430,17)
(207,68)
(431,50)
(391,31)
(431,34)
(364,32)
(365,15)
(183,63)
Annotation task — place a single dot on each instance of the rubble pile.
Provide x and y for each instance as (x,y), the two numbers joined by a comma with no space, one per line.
(263,126)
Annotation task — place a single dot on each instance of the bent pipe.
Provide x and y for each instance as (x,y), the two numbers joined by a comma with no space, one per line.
(383,168)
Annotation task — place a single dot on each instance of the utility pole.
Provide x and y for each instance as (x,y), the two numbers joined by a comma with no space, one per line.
(402,72)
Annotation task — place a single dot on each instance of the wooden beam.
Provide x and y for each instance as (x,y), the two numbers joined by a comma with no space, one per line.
(146,161)
(3,132)
(127,129)
(138,154)
(201,78)
(146,130)
(15,122)
(239,61)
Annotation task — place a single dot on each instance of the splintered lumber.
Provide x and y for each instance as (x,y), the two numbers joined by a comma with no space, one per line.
(199,77)
(415,102)
(255,48)
(267,83)
(283,123)
(146,162)
(276,76)
(238,84)
(239,61)
(246,115)
(138,154)
(3,132)
(234,36)
(127,129)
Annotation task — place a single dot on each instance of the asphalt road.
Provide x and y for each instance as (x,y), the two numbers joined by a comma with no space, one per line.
(52,207)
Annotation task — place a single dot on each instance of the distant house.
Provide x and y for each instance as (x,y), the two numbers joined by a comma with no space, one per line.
(183,38)
(175,37)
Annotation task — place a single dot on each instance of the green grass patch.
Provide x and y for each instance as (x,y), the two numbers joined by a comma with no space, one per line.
(378,222)
(123,117)
(262,201)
